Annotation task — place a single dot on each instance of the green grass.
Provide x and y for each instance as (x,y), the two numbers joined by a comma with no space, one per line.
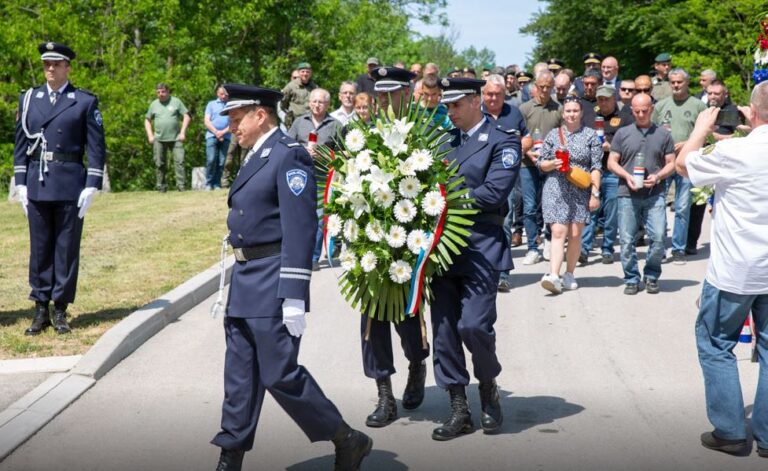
(135,247)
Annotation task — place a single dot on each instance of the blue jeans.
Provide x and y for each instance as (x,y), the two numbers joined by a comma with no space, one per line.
(215,155)
(514,220)
(721,316)
(650,211)
(531,182)
(609,188)
(682,211)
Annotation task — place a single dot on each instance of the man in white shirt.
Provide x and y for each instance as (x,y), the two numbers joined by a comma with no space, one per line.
(609,69)
(346,111)
(737,277)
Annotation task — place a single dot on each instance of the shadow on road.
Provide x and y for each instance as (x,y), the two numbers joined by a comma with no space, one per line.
(378,459)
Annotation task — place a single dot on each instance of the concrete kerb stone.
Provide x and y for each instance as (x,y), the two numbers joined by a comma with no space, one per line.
(38,407)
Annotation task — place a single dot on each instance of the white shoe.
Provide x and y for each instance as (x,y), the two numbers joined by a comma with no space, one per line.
(569,281)
(533,256)
(547,249)
(552,283)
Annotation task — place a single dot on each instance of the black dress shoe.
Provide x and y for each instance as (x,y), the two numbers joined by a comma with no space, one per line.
(413,395)
(351,449)
(41,321)
(386,409)
(491,417)
(460,420)
(60,319)
(713,442)
(230,460)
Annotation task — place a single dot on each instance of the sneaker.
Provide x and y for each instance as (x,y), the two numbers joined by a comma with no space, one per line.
(652,286)
(762,452)
(606,259)
(583,259)
(552,283)
(533,256)
(678,258)
(631,288)
(569,281)
(547,250)
(713,442)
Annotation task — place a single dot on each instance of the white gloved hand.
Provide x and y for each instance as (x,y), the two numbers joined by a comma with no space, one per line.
(85,200)
(21,190)
(294,316)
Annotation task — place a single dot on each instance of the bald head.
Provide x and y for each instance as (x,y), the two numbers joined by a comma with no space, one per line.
(759,104)
(609,68)
(562,86)
(642,108)
(643,84)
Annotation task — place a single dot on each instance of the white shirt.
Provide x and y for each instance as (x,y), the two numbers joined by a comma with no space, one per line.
(260,142)
(611,82)
(60,89)
(342,116)
(738,169)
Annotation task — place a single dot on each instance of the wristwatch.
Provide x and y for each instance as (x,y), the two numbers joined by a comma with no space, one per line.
(596,194)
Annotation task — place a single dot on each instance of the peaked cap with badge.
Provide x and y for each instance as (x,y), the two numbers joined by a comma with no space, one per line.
(455,89)
(249,95)
(390,79)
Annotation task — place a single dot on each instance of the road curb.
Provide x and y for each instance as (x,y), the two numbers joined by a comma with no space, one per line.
(34,410)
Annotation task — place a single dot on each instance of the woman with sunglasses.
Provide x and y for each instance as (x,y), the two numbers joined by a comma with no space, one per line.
(565,206)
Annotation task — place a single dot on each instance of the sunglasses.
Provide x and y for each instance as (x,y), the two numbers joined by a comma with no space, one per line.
(627,89)
(571,98)
(643,90)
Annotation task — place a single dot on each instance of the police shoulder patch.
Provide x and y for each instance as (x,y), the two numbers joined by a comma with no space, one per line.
(509,157)
(97,117)
(708,150)
(297,180)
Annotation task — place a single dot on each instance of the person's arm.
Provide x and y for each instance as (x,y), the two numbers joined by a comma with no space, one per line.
(184,124)
(209,125)
(148,129)
(618,170)
(705,122)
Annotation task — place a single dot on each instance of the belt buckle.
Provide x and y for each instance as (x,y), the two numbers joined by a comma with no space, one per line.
(239,255)
(48,156)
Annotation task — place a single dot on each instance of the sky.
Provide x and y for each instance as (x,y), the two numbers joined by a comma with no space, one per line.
(491,24)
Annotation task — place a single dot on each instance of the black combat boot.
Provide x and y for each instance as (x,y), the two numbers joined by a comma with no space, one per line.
(491,417)
(414,388)
(352,446)
(460,420)
(60,318)
(42,319)
(386,408)
(230,460)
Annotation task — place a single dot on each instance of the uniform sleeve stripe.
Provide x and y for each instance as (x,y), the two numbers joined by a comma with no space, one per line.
(20,170)
(295,270)
(96,172)
(295,276)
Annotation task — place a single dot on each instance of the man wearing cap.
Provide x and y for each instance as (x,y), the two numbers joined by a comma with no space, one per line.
(295,100)
(524,81)
(592,61)
(661,87)
(555,66)
(366,81)
(57,123)
(464,308)
(168,136)
(272,224)
(393,87)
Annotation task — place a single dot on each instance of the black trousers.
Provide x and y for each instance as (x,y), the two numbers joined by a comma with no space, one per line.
(695,221)
(378,359)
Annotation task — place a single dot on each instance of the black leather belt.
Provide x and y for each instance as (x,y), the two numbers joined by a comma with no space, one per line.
(243,254)
(488,218)
(59,156)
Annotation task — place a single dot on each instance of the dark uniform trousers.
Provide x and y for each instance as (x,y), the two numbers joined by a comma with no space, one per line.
(54,232)
(378,360)
(262,356)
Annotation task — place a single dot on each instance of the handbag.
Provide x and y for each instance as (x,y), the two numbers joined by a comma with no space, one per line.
(578,177)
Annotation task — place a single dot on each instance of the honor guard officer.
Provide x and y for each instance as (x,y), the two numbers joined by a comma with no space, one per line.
(57,124)
(464,308)
(393,87)
(272,224)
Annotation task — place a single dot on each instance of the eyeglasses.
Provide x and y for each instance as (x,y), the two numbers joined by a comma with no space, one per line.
(627,89)
(643,90)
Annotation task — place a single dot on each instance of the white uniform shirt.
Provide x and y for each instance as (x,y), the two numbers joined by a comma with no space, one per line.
(342,116)
(738,169)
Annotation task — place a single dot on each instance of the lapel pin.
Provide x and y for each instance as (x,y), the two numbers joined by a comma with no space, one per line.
(482,137)
(39,95)
(71,95)
(265,153)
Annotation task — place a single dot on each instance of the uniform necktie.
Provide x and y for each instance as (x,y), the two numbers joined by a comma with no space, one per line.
(464,138)
(54,97)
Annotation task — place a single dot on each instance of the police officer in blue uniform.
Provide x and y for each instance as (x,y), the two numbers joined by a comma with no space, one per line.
(393,88)
(464,309)
(272,224)
(57,123)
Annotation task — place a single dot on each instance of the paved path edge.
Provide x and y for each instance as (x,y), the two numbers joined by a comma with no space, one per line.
(25,417)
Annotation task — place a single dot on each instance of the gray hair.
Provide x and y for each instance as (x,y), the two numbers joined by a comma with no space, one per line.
(547,74)
(680,71)
(496,79)
(320,91)
(709,73)
(759,98)
(348,82)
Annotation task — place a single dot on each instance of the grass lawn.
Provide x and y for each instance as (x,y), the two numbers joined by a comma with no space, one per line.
(135,247)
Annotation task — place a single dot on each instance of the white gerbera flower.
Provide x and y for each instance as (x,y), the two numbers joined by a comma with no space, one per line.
(374,231)
(421,159)
(364,160)
(399,271)
(409,187)
(405,211)
(355,140)
(368,261)
(405,167)
(379,178)
(348,260)
(396,237)
(333,225)
(359,204)
(384,198)
(351,231)
(433,203)
(417,241)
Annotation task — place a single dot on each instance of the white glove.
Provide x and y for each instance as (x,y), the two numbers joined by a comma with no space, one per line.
(85,200)
(294,316)
(21,190)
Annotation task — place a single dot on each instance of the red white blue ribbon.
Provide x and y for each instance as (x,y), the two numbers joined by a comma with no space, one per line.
(327,195)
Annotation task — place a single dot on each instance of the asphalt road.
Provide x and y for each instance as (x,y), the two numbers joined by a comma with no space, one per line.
(592,380)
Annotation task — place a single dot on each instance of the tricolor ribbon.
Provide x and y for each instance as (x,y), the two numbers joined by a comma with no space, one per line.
(327,194)
(417,280)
